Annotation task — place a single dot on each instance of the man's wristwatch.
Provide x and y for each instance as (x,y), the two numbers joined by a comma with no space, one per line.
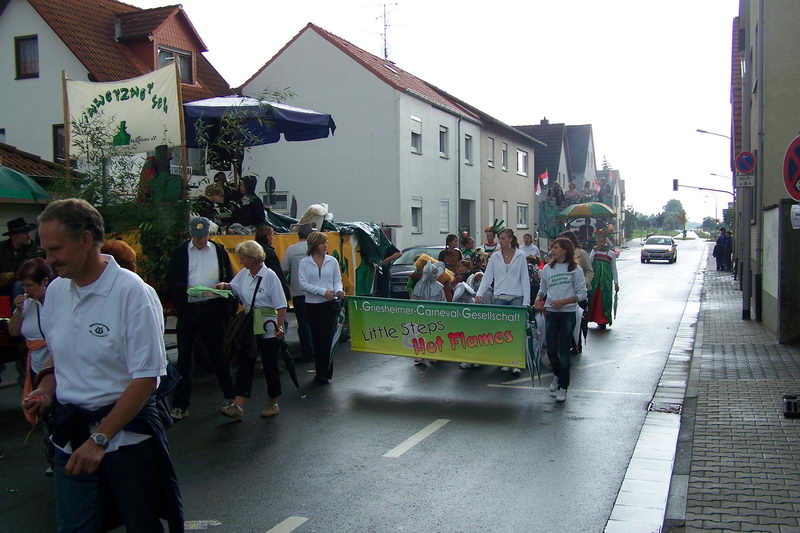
(99,439)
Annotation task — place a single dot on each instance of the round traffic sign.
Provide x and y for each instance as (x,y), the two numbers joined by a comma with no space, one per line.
(791,169)
(745,162)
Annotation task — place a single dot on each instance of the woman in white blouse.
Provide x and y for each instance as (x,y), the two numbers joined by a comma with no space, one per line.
(270,295)
(321,281)
(508,270)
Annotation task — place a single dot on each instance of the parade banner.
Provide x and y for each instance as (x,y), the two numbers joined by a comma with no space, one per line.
(469,333)
(143,112)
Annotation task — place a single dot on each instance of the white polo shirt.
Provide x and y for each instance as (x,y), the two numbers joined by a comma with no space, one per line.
(291,263)
(103,335)
(203,269)
(270,291)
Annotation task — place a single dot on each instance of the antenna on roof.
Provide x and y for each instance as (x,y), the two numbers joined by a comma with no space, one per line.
(385,28)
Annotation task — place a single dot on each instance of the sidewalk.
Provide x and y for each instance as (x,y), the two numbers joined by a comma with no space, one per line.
(737,464)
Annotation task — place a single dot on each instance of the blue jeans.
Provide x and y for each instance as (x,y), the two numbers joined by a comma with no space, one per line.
(559,329)
(501,299)
(128,480)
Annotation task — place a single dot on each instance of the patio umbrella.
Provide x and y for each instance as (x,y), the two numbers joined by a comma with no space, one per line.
(16,185)
(266,121)
(588,209)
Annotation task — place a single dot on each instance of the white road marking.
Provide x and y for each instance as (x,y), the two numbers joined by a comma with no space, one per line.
(194,525)
(528,387)
(577,367)
(415,439)
(290,524)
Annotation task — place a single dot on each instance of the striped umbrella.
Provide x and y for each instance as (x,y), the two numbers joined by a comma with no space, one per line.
(588,209)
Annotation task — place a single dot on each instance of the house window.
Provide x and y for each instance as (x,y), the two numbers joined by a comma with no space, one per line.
(522,216)
(504,217)
(416,214)
(416,135)
(443,141)
(522,162)
(26,50)
(491,212)
(504,156)
(490,157)
(444,216)
(184,59)
(468,149)
(2,135)
(58,143)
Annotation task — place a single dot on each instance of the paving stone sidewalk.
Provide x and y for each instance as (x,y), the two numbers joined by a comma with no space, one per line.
(744,471)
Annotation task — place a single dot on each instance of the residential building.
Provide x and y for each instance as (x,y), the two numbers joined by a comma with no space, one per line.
(765,94)
(616,196)
(552,157)
(508,180)
(95,40)
(404,155)
(583,165)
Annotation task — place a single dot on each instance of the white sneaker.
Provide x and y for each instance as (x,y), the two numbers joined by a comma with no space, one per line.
(179,414)
(561,395)
(464,366)
(504,369)
(554,384)
(516,371)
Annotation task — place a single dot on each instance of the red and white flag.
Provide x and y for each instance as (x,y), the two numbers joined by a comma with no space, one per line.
(543,178)
(597,185)
(538,187)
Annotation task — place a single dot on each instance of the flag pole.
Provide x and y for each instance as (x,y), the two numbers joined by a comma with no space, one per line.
(184,149)
(67,167)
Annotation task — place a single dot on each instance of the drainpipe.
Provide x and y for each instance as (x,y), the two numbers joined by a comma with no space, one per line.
(759,192)
(458,178)
(745,196)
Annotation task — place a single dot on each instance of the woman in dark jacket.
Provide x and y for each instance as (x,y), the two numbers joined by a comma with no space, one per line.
(251,213)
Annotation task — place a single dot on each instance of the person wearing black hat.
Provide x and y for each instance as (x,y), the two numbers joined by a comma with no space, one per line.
(18,248)
(199,262)
(252,211)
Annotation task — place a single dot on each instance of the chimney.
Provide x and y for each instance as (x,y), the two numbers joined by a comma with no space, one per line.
(544,122)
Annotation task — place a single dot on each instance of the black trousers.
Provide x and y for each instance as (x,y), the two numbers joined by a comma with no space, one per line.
(268,349)
(322,318)
(205,321)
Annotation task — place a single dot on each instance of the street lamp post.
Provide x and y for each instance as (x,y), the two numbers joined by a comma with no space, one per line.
(744,203)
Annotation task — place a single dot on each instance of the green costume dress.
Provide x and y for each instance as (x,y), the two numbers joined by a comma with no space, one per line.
(604,264)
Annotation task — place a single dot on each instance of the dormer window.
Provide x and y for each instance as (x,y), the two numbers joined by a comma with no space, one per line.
(184,59)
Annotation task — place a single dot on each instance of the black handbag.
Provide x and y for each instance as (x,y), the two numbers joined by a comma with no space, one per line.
(239,338)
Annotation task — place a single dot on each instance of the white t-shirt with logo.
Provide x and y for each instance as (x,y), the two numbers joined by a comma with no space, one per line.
(102,336)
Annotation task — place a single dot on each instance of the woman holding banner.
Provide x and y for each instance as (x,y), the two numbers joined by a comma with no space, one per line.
(258,287)
(508,270)
(562,286)
(321,281)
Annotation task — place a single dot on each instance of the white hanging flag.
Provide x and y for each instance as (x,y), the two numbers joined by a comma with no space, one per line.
(143,112)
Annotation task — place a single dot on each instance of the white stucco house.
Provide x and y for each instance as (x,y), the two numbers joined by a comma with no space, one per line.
(404,154)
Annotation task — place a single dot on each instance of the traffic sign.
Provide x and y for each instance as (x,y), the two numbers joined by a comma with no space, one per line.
(791,169)
(745,162)
(745,180)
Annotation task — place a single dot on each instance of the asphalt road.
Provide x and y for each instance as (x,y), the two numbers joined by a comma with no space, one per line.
(495,454)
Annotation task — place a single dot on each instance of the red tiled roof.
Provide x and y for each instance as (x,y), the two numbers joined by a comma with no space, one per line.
(143,23)
(385,70)
(87,28)
(29,164)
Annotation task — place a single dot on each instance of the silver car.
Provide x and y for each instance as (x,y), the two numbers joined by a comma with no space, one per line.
(661,248)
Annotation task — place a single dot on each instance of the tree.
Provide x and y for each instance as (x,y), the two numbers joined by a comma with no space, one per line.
(709,224)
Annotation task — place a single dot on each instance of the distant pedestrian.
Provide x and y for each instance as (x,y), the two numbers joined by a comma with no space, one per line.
(508,271)
(527,246)
(723,250)
(605,282)
(562,286)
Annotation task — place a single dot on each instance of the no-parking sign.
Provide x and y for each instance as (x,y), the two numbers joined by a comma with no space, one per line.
(745,162)
(791,169)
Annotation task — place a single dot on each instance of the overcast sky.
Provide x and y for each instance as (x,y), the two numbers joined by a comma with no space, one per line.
(645,74)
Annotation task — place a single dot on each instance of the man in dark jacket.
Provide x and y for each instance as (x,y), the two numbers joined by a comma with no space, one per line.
(199,262)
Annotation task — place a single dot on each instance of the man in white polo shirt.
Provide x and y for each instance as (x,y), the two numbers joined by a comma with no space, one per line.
(104,328)
(199,262)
